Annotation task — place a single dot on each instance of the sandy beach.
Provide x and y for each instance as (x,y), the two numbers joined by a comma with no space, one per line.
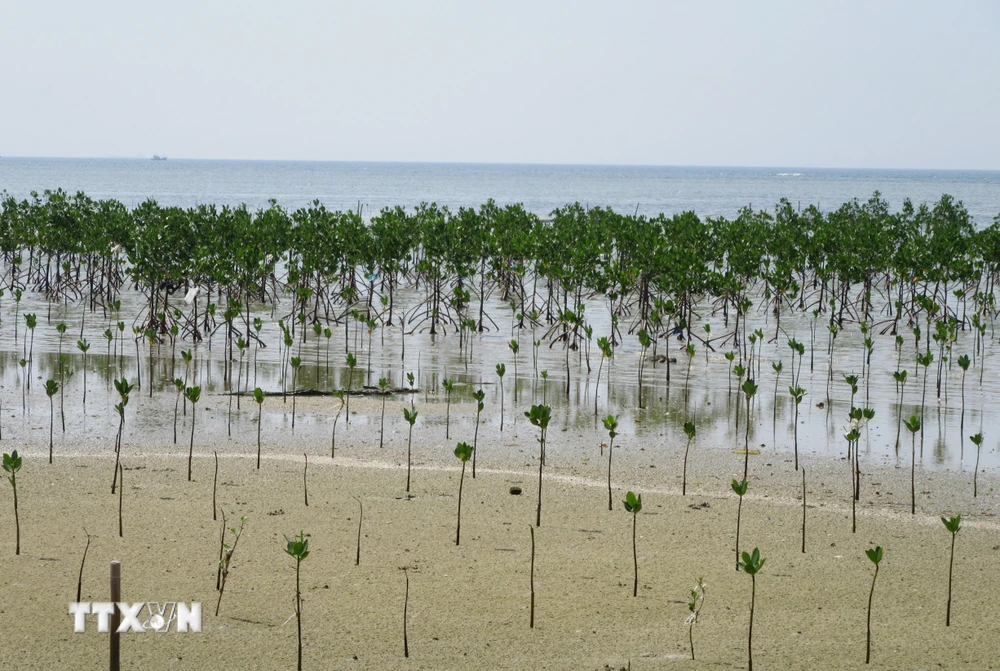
(468,605)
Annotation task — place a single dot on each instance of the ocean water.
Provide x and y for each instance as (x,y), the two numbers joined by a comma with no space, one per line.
(540,188)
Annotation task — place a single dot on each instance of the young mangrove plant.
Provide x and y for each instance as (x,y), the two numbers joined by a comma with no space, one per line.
(689,431)
(501,370)
(539,416)
(514,347)
(633,504)
(751,565)
(258,395)
(383,385)
(12,464)
(464,452)
(124,389)
(953,525)
(900,377)
(411,417)
(531,579)
(695,604)
(963,362)
(913,424)
(604,345)
(611,424)
(51,388)
(449,386)
(296,364)
(977,440)
(31,320)
(227,558)
(797,394)
(83,562)
(740,488)
(298,549)
(339,395)
(875,555)
(192,394)
(361,517)
(352,361)
(83,346)
(749,389)
(479,395)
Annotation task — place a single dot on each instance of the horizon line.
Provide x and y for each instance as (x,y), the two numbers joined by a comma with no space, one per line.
(501,163)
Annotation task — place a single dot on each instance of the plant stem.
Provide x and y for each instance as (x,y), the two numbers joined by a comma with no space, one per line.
(215,482)
(868,642)
(406,602)
(753,598)
(803,510)
(635,560)
(531,572)
(951,565)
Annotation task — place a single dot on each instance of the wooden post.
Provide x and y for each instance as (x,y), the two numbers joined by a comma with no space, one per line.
(116,616)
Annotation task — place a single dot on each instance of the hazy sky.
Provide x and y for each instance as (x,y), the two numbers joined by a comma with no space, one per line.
(903,84)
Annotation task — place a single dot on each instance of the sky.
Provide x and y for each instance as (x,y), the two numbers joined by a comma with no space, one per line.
(855,83)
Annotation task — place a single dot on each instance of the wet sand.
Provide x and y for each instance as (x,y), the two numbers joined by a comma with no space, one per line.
(468,604)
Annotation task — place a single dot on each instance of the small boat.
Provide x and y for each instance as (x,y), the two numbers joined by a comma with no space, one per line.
(157,157)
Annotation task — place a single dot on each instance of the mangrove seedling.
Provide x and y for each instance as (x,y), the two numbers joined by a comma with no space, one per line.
(31,320)
(51,388)
(298,549)
(383,385)
(83,562)
(258,395)
(963,362)
(296,364)
(339,394)
(531,579)
(689,431)
(121,496)
(749,389)
(305,481)
(479,396)
(124,389)
(514,347)
(694,608)
(875,555)
(740,488)
(913,424)
(361,517)
(406,604)
(610,423)
(12,464)
(751,565)
(411,417)
(227,558)
(900,377)
(464,452)
(410,381)
(352,361)
(179,386)
(539,416)
(633,504)
(953,525)
(83,346)
(449,386)
(977,440)
(604,345)
(501,369)
(545,380)
(192,394)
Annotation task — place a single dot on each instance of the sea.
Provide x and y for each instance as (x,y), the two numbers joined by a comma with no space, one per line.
(648,190)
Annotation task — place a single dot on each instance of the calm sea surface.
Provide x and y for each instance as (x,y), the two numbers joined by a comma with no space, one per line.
(541,188)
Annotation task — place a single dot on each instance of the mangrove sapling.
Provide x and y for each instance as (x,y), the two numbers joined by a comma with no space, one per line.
(803,510)
(852,437)
(925,361)
(740,488)
(633,504)
(296,364)
(900,377)
(604,345)
(689,431)
(797,394)
(689,350)
(751,565)
(953,525)
(449,386)
(242,345)
(875,555)
(514,347)
(545,383)
(61,328)
(31,320)
(383,384)
(258,395)
(192,394)
(12,464)
(83,561)
(215,484)
(361,517)
(478,396)
(305,481)
(610,423)
(531,578)
(124,389)
(406,603)
(776,367)
(977,440)
(410,381)
(694,607)
(121,496)
(298,549)
(411,417)
(179,385)
(339,394)
(501,369)
(645,341)
(913,424)
(464,452)
(227,558)
(539,416)
(352,361)
(730,356)
(51,387)
(188,357)
(749,388)
(963,362)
